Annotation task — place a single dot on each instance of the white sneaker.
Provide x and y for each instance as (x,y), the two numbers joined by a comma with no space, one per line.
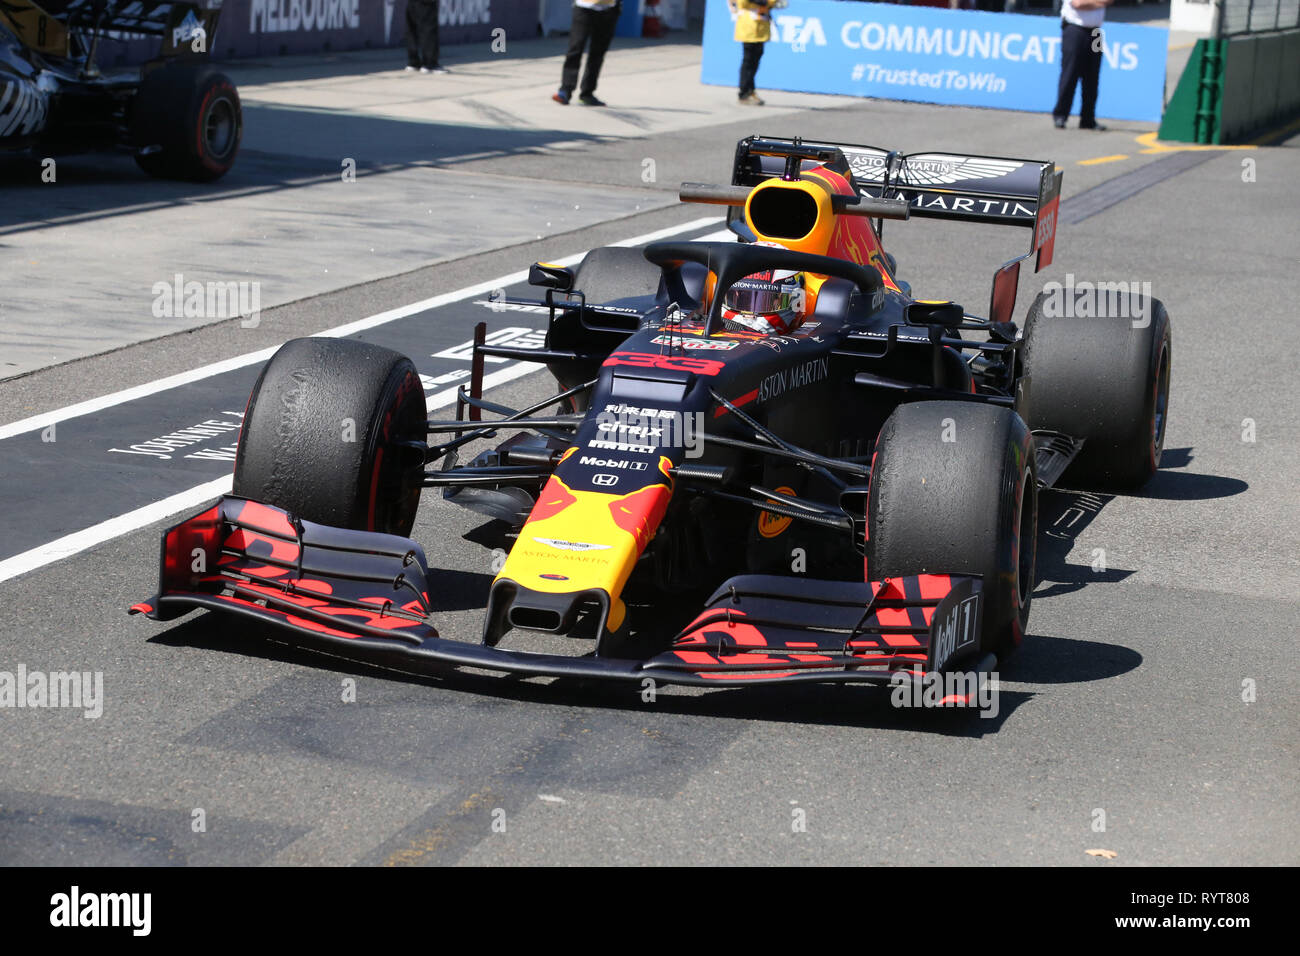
(440,69)
(408,69)
(425,69)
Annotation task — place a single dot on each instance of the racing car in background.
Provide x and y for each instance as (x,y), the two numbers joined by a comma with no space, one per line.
(854,498)
(177,115)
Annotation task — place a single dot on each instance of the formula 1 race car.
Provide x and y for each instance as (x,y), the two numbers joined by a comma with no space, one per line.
(850,473)
(177,115)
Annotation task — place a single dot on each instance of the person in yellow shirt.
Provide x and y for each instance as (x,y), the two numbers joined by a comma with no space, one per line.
(753,29)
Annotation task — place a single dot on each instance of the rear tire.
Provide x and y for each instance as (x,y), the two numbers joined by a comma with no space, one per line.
(1105,381)
(191,113)
(322,431)
(967,505)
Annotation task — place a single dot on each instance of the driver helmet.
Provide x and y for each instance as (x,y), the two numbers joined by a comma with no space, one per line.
(771,302)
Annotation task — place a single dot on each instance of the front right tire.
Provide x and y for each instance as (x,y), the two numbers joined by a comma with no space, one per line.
(330,434)
(954,490)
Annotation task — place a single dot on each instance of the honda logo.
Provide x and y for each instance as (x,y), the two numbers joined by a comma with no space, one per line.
(605,480)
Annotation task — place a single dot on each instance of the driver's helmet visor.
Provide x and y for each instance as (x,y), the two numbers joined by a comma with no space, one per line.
(761,297)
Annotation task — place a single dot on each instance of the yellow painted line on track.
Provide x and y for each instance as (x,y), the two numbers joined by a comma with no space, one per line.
(1149,144)
(1103,159)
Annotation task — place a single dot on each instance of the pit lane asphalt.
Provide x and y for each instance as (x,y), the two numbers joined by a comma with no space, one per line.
(1127,697)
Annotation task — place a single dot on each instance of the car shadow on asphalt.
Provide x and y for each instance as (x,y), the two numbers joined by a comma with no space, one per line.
(303,148)
(1063,515)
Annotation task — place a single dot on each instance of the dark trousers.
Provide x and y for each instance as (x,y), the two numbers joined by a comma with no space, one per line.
(598,27)
(422,33)
(1078,64)
(749,66)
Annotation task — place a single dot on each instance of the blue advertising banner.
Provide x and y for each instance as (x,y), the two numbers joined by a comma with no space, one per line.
(965,58)
(275,27)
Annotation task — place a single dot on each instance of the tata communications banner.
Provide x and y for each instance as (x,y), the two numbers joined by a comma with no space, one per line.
(965,58)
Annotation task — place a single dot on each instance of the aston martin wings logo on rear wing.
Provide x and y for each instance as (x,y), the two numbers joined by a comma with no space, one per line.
(991,189)
(930,169)
(1015,192)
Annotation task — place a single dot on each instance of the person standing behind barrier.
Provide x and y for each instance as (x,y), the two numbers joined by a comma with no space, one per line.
(1081,53)
(753,29)
(594,20)
(422,36)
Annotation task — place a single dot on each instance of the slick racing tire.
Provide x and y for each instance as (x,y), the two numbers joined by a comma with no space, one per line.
(953,490)
(190,114)
(1104,379)
(323,434)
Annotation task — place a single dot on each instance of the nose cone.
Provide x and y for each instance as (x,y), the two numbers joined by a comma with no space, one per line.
(578,546)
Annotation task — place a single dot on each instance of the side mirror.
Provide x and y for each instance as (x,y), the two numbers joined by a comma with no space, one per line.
(548,276)
(947,314)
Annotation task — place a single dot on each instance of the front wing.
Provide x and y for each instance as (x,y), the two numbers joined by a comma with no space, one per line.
(366,596)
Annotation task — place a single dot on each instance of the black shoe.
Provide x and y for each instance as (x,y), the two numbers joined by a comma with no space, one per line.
(1097,126)
(1059,123)
(588,99)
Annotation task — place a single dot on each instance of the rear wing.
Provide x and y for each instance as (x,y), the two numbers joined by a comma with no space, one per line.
(69,28)
(989,189)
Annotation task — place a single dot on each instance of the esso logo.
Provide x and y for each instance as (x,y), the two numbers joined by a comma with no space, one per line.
(1046,228)
(678,363)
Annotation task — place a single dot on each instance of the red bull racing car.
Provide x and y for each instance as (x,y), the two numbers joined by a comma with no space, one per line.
(835,480)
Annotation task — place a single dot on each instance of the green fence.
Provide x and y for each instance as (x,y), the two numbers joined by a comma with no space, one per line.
(1244,79)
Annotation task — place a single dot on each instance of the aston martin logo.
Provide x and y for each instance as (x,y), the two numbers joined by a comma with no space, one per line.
(931,169)
(571,545)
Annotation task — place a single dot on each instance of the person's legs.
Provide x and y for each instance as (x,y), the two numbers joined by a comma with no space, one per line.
(579,30)
(1090,72)
(602,34)
(1071,56)
(412,33)
(749,67)
(430,52)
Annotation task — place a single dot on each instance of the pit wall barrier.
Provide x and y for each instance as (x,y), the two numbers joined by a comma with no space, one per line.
(1234,87)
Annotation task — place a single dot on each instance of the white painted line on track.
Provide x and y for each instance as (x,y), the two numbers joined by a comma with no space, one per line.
(79,541)
(90,406)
